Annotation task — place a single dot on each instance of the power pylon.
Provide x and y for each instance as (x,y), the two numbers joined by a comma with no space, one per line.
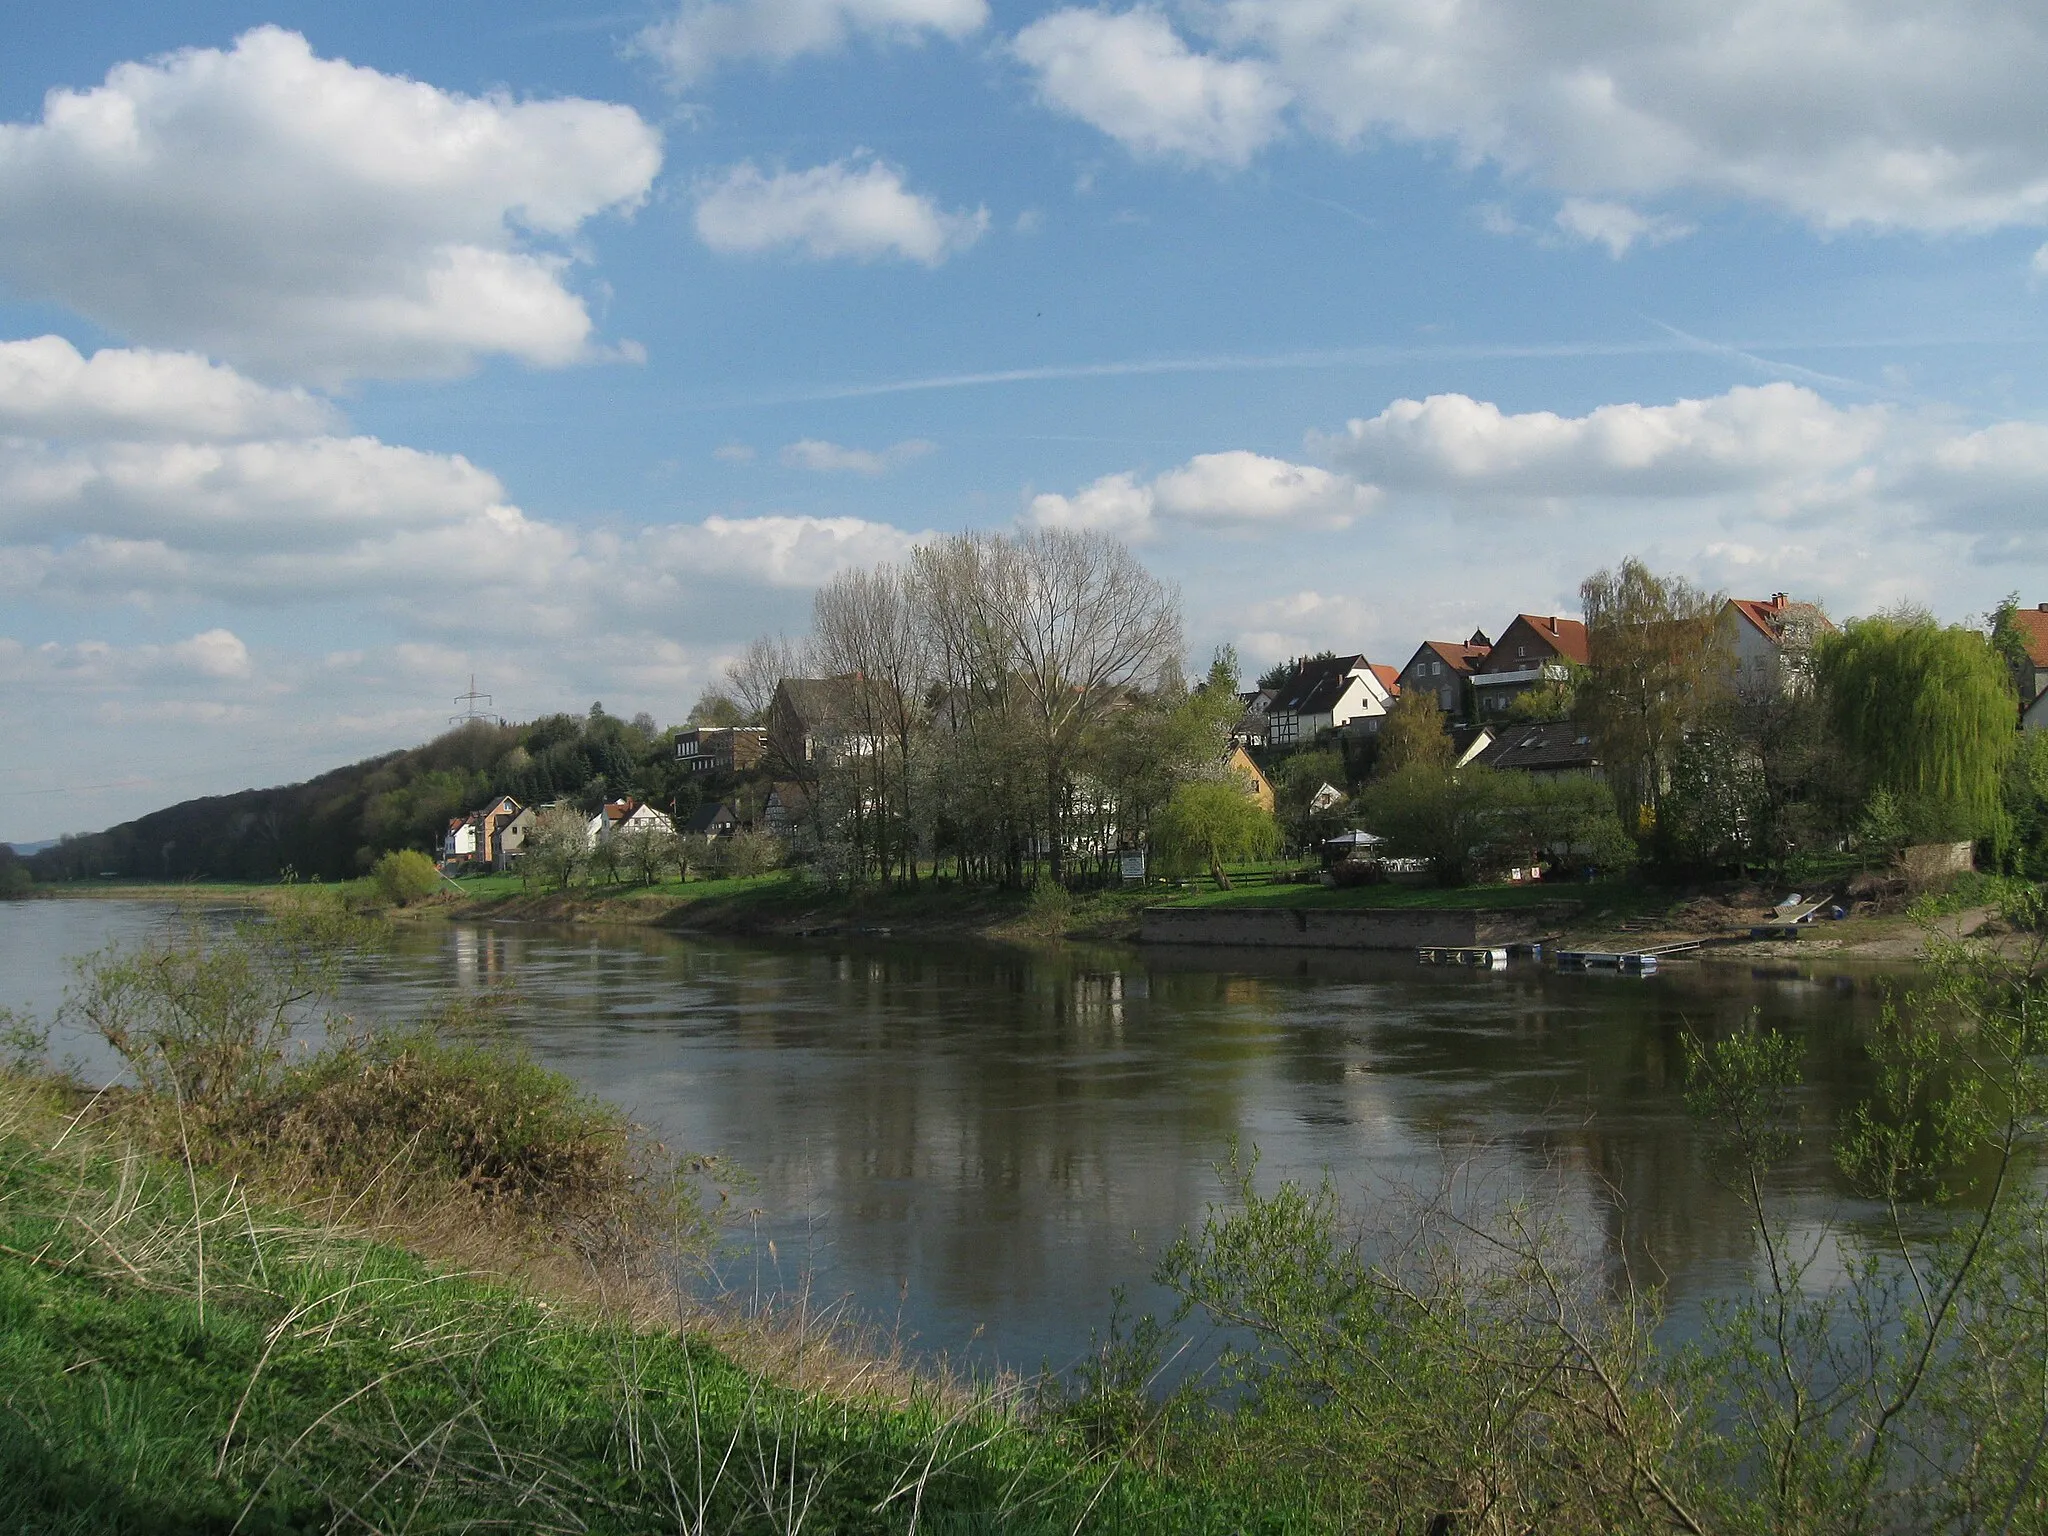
(468,703)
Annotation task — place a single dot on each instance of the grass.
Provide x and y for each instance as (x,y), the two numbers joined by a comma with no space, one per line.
(178,1358)
(782,898)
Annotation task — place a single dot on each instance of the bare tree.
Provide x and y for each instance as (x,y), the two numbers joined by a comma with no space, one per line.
(766,661)
(1078,623)
(864,628)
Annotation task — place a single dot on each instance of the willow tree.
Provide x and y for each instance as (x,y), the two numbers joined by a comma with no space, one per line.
(1927,712)
(1654,668)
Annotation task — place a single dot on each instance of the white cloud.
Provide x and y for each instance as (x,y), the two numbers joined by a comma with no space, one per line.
(1842,112)
(1747,437)
(1616,225)
(301,494)
(829,458)
(312,219)
(1233,490)
(702,33)
(1130,75)
(1301,623)
(848,208)
(123,508)
(733,453)
(47,389)
(774,551)
(216,653)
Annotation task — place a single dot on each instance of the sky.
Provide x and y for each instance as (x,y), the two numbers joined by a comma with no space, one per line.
(349,351)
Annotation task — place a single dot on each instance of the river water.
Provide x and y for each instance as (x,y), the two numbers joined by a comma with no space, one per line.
(977,1145)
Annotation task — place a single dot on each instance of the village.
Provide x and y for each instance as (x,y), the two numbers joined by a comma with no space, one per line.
(764,779)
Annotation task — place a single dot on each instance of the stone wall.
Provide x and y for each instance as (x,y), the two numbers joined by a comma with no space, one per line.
(1345,927)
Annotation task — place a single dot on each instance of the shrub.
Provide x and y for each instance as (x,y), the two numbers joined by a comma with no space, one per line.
(202,1016)
(1051,909)
(426,1108)
(405,876)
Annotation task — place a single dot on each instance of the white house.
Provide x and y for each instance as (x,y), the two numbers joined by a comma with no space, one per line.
(1770,644)
(459,843)
(619,815)
(1327,693)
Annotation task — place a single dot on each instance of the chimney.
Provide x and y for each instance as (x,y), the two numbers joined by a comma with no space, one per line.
(2044,607)
(1778,599)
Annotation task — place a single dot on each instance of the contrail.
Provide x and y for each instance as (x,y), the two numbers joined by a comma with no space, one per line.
(1223,363)
(1674,341)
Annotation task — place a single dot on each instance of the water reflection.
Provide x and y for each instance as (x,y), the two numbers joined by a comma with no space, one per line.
(985,1143)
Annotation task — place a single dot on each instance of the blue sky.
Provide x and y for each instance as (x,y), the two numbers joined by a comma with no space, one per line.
(345,351)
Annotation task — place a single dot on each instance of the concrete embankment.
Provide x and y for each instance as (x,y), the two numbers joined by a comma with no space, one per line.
(1349,927)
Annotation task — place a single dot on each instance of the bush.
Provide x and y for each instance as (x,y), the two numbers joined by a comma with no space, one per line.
(1052,908)
(386,1118)
(405,876)
(201,1017)
(426,1108)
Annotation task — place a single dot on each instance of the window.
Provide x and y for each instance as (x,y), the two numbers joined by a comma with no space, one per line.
(1521,650)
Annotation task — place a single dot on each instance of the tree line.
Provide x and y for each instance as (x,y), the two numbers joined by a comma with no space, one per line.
(1888,730)
(1000,706)
(338,825)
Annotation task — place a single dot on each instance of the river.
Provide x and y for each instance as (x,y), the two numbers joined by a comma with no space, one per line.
(977,1145)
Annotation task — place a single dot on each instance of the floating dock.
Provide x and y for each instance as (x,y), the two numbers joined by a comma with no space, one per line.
(1637,961)
(1494,957)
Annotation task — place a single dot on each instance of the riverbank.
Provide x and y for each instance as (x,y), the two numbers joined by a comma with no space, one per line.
(1604,915)
(182,1357)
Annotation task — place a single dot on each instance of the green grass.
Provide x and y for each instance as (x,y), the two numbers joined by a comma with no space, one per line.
(1618,897)
(177,1360)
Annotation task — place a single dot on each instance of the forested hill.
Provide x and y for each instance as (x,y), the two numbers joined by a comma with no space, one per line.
(334,826)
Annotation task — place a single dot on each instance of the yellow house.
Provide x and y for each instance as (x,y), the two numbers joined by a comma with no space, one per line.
(1257,784)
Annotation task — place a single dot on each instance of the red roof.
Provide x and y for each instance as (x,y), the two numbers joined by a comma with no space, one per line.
(1459,657)
(1390,677)
(1768,618)
(1565,636)
(2033,628)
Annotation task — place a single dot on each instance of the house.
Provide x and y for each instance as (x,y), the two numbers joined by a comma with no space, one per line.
(487,836)
(1442,669)
(1536,648)
(1250,730)
(1327,798)
(813,720)
(1329,693)
(786,805)
(712,819)
(458,844)
(1239,762)
(617,816)
(1770,642)
(1541,746)
(722,748)
(512,837)
(2033,680)
(1468,741)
